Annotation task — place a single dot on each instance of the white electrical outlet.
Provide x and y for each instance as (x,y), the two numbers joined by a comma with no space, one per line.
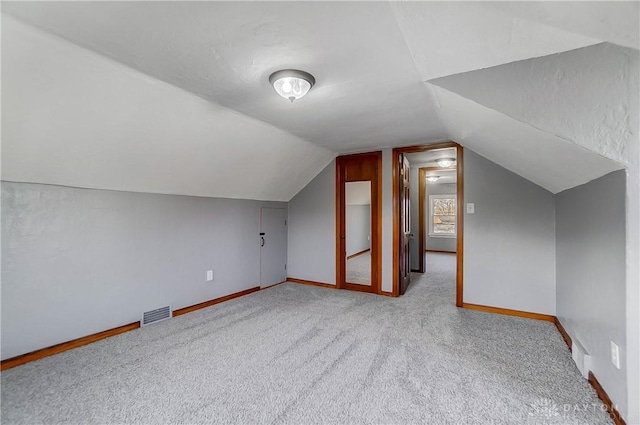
(209,275)
(615,355)
(471,208)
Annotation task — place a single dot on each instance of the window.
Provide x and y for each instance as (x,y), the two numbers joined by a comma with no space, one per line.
(442,215)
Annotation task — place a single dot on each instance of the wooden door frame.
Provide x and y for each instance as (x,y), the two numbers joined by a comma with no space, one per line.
(395,171)
(376,225)
(422,240)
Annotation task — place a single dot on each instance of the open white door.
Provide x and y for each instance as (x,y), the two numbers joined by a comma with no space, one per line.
(273,246)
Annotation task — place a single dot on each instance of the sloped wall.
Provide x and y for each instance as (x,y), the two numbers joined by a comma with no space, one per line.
(75,118)
(311,227)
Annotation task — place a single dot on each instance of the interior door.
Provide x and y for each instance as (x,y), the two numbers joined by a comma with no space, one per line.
(360,245)
(405,225)
(273,246)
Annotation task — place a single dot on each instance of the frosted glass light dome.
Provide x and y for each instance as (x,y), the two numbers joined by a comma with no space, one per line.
(292,84)
(432,179)
(445,162)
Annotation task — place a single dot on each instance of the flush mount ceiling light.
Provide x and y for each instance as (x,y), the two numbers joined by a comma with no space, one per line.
(445,162)
(292,84)
(432,179)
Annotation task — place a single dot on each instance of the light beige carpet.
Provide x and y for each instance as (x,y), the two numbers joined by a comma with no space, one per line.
(305,355)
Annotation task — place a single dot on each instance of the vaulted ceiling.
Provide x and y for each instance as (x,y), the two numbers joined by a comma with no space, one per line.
(173,97)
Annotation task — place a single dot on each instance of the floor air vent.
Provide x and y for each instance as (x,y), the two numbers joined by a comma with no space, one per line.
(153,316)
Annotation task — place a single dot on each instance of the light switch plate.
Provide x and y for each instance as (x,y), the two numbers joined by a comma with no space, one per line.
(471,208)
(209,275)
(615,355)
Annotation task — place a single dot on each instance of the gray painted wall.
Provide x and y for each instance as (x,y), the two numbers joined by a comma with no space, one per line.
(80,261)
(509,243)
(358,221)
(312,234)
(590,273)
(439,244)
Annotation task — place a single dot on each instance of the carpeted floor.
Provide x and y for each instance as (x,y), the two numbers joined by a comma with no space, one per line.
(359,269)
(304,355)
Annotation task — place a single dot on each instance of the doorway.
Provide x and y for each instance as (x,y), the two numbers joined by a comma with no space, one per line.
(446,228)
(359,222)
(273,246)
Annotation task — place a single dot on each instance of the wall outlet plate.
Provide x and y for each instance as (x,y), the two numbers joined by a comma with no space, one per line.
(615,355)
(471,208)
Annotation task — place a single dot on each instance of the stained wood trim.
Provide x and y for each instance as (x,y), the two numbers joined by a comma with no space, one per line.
(358,253)
(432,146)
(604,397)
(602,394)
(340,223)
(460,227)
(271,286)
(563,333)
(395,206)
(388,294)
(395,171)
(64,346)
(440,251)
(79,342)
(215,301)
(439,168)
(360,288)
(311,282)
(378,254)
(422,240)
(376,219)
(509,312)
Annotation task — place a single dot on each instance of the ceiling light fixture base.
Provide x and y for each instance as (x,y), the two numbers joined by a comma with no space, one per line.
(292,84)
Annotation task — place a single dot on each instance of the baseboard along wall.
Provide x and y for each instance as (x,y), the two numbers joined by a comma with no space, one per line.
(357,253)
(602,394)
(215,301)
(64,346)
(311,282)
(509,312)
(79,342)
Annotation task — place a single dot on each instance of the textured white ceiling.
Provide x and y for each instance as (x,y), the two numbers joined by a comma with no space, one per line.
(368,91)
(200,110)
(71,117)
(428,158)
(451,37)
(446,177)
(613,21)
